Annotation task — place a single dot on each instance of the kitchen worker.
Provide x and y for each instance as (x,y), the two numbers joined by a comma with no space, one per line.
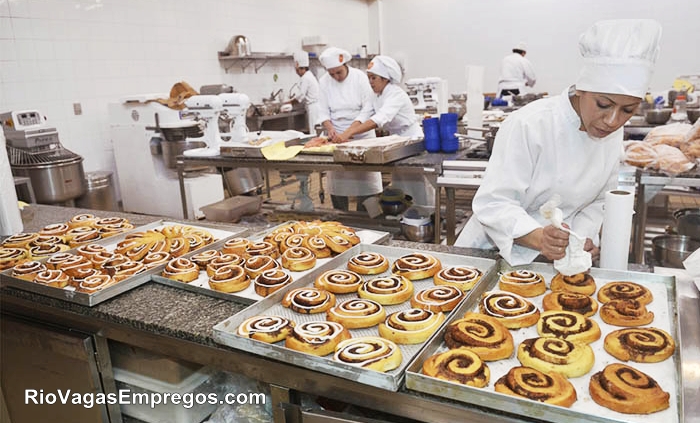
(308,89)
(393,111)
(345,101)
(516,72)
(567,145)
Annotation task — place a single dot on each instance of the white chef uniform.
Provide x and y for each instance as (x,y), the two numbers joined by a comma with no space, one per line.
(309,90)
(517,72)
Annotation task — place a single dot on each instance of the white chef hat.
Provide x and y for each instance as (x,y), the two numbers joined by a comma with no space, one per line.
(332,57)
(301,58)
(619,56)
(520,46)
(386,67)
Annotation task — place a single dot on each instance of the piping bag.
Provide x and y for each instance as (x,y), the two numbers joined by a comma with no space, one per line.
(576,260)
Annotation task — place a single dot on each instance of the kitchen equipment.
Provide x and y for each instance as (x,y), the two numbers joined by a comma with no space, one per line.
(175,141)
(377,150)
(34,151)
(394,201)
(417,224)
(100,192)
(693,115)
(206,109)
(428,95)
(658,116)
(239,46)
(671,250)
(688,222)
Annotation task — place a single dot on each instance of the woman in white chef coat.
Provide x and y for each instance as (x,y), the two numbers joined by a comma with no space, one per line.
(309,90)
(568,145)
(517,72)
(393,111)
(345,101)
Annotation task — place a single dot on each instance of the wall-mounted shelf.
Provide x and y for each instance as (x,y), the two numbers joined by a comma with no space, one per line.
(257,60)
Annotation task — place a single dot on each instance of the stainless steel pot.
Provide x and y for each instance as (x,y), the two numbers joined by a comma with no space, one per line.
(243,180)
(688,222)
(172,149)
(671,250)
(55,182)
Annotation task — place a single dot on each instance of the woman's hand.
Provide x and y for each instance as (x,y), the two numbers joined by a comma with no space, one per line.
(591,248)
(341,138)
(554,243)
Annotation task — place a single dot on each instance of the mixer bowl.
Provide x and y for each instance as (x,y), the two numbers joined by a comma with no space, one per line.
(418,233)
(658,116)
(671,250)
(55,182)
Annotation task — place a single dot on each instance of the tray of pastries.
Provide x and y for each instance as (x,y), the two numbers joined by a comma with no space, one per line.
(263,262)
(361,316)
(601,346)
(92,272)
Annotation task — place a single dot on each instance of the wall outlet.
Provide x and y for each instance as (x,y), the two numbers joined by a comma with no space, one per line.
(77,109)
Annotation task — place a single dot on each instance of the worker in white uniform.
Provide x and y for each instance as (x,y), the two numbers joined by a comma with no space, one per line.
(309,90)
(517,72)
(568,145)
(345,101)
(393,112)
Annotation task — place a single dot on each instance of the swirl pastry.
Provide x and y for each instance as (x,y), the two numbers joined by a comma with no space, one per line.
(127,270)
(522,282)
(83,219)
(262,248)
(224,260)
(416,266)
(156,259)
(55,229)
(276,238)
(54,278)
(229,279)
(624,291)
(196,242)
(106,231)
(206,236)
(255,265)
(113,221)
(482,334)
(292,241)
(236,246)
(298,259)
(81,235)
(339,281)
(459,365)
(556,355)
(510,309)
(316,338)
(48,239)
(72,265)
(28,270)
(369,352)
(309,300)
(580,283)
(357,313)
(268,329)
(411,326)
(349,234)
(626,313)
(98,260)
(386,290)
(337,243)
(568,325)
(437,298)
(317,245)
(80,275)
(368,263)
(41,251)
(202,259)
(627,390)
(11,257)
(94,283)
(643,345)
(55,259)
(271,280)
(526,382)
(179,246)
(20,240)
(112,265)
(462,277)
(570,301)
(181,269)
(90,250)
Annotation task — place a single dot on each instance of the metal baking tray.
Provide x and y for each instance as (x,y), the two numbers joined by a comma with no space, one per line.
(667,373)
(225,331)
(69,293)
(248,295)
(358,152)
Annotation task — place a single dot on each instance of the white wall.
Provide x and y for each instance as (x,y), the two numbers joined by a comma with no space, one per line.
(440,37)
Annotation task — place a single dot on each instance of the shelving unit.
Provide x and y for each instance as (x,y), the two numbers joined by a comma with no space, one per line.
(257,60)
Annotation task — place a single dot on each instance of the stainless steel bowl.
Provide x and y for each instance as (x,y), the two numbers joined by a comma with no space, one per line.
(688,222)
(658,116)
(393,208)
(671,250)
(693,114)
(422,233)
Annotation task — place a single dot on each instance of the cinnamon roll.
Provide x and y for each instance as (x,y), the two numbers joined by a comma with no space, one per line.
(368,263)
(416,266)
(196,242)
(522,282)
(262,248)
(107,231)
(81,235)
(181,269)
(292,241)
(369,352)
(28,270)
(298,259)
(111,266)
(271,280)
(318,246)
(339,281)
(55,259)
(570,301)
(83,219)
(138,252)
(570,359)
(48,239)
(626,313)
(349,234)
(236,246)
(438,298)
(113,221)
(255,265)
(224,260)
(276,238)
(128,269)
(202,259)
(79,275)
(525,382)
(627,390)
(482,334)
(568,325)
(412,326)
(462,277)
(337,243)
(99,259)
(54,278)
(316,338)
(229,279)
(624,291)
(55,229)
(94,283)
(90,250)
(357,313)
(643,345)
(41,251)
(268,329)
(309,300)
(179,246)
(580,283)
(459,365)
(73,264)
(206,236)
(11,257)
(386,290)
(20,240)
(156,259)
(511,309)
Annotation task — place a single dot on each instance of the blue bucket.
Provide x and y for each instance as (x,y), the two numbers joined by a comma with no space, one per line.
(431,135)
(448,127)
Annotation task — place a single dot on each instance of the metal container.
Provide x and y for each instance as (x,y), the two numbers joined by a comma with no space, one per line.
(243,180)
(693,114)
(55,182)
(239,46)
(418,233)
(172,149)
(671,250)
(688,222)
(658,116)
(100,192)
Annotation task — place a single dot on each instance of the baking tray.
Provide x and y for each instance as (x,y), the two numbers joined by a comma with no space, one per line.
(393,148)
(225,331)
(248,295)
(665,311)
(245,149)
(69,294)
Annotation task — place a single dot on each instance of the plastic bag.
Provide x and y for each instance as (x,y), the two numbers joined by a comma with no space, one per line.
(691,142)
(671,160)
(672,134)
(250,412)
(640,154)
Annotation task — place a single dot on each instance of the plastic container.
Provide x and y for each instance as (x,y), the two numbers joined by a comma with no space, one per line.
(100,192)
(431,135)
(232,208)
(680,113)
(448,127)
(147,363)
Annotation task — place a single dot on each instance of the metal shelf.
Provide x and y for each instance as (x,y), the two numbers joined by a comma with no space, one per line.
(257,60)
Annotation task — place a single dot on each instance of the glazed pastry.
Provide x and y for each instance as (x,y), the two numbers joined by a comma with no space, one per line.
(127,270)
(99,259)
(181,269)
(568,325)
(73,264)
(20,240)
(113,222)
(643,345)
(48,239)
(106,231)
(80,275)
(339,281)
(368,263)
(556,355)
(94,283)
(369,352)
(55,229)
(81,235)
(459,365)
(206,236)
(580,283)
(336,242)
(11,257)
(28,270)
(196,242)
(55,259)
(357,313)
(349,234)
(224,260)
(627,390)
(255,265)
(156,259)
(41,251)
(202,259)
(525,382)
(626,313)
(316,338)
(510,309)
(84,219)
(386,290)
(437,298)
(416,266)
(298,259)
(229,279)
(462,277)
(236,246)
(276,238)
(271,280)
(522,282)
(412,326)
(292,241)
(54,278)
(317,245)
(570,301)
(262,248)
(179,246)
(90,250)
(482,334)
(624,291)
(268,329)
(112,265)
(309,300)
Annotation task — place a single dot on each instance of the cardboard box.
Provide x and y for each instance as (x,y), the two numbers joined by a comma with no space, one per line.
(231,209)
